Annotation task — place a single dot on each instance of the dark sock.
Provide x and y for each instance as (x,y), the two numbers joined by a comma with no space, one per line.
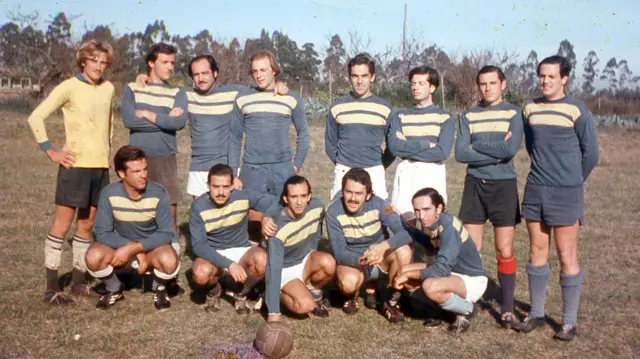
(215,291)
(52,280)
(78,277)
(508,287)
(112,283)
(571,290)
(159,283)
(248,285)
(538,278)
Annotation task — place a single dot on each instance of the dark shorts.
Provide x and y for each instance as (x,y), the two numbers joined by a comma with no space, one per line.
(164,170)
(554,206)
(495,200)
(267,178)
(80,187)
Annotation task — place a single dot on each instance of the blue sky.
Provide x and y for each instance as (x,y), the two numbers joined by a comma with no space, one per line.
(611,27)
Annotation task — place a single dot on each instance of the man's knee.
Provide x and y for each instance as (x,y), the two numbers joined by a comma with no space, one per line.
(168,259)
(349,282)
(202,273)
(327,263)
(429,287)
(258,261)
(303,306)
(404,255)
(94,258)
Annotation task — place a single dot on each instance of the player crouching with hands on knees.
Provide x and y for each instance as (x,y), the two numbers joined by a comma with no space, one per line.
(457,278)
(133,224)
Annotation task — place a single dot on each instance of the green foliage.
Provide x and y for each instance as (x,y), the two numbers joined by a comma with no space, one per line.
(517,98)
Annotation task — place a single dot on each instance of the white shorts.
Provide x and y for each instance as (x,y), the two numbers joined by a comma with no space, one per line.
(377,180)
(233,254)
(412,176)
(197,183)
(293,272)
(475,286)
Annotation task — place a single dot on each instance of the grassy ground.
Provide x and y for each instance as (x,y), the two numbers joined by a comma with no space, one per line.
(609,253)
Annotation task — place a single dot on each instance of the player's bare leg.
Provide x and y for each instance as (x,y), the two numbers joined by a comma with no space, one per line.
(254,263)
(392,264)
(504,238)
(98,259)
(297,298)
(476,231)
(205,274)
(450,293)
(318,271)
(566,238)
(166,265)
(81,242)
(349,280)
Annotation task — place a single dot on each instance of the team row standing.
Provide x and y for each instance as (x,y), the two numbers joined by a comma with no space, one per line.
(559,133)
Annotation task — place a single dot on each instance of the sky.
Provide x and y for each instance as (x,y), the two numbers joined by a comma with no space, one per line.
(610,27)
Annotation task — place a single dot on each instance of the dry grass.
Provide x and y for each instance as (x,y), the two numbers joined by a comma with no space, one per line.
(609,253)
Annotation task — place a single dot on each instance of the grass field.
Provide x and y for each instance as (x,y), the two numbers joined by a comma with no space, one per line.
(609,253)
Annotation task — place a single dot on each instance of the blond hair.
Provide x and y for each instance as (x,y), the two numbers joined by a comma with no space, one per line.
(261,54)
(88,51)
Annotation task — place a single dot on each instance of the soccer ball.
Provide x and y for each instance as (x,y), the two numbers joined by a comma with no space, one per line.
(274,340)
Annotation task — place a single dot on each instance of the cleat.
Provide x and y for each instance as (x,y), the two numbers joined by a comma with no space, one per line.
(392,313)
(463,322)
(432,322)
(109,299)
(350,306)
(161,299)
(56,298)
(529,324)
(84,290)
(508,320)
(370,300)
(241,306)
(566,333)
(321,309)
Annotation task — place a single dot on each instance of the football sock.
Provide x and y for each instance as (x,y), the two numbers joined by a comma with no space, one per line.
(109,278)
(52,280)
(395,297)
(315,293)
(248,285)
(538,278)
(52,252)
(571,289)
(507,279)
(457,305)
(80,247)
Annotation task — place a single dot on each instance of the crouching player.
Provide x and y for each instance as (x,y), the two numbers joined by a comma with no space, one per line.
(457,278)
(296,271)
(133,224)
(219,236)
(357,221)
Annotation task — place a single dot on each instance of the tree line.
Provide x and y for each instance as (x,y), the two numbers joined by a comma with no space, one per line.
(45,55)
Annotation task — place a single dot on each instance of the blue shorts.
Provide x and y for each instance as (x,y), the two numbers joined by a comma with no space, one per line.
(266,178)
(553,206)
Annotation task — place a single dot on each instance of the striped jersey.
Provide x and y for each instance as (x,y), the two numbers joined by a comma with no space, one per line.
(120,219)
(355,130)
(481,144)
(421,127)
(294,240)
(215,227)
(561,140)
(265,120)
(210,115)
(156,139)
(351,234)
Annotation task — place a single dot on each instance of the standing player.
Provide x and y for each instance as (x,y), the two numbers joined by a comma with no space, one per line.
(133,223)
(560,136)
(423,137)
(489,136)
(296,270)
(264,119)
(86,101)
(357,222)
(457,278)
(153,114)
(218,227)
(356,127)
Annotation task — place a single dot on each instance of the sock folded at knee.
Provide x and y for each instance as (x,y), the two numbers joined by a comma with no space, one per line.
(102,273)
(571,290)
(315,292)
(80,247)
(109,278)
(538,279)
(456,304)
(507,279)
(52,252)
(166,276)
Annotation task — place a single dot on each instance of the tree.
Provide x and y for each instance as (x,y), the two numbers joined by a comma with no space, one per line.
(590,72)
(335,64)
(309,62)
(625,75)
(609,74)
(566,50)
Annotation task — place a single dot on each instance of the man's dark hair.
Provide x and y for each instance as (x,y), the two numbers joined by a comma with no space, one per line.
(212,63)
(489,69)
(127,154)
(565,66)
(434,77)
(436,198)
(358,175)
(362,59)
(292,181)
(160,48)
(220,170)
